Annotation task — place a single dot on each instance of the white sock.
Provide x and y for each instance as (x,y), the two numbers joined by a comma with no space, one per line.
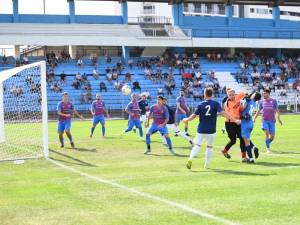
(184,136)
(194,151)
(164,140)
(208,156)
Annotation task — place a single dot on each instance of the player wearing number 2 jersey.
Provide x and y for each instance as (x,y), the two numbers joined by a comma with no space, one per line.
(207,112)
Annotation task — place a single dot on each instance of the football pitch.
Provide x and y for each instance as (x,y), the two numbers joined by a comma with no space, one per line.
(111,182)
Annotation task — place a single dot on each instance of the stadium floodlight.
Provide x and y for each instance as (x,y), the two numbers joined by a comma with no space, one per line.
(23,112)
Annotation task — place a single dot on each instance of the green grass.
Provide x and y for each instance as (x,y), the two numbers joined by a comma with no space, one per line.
(39,192)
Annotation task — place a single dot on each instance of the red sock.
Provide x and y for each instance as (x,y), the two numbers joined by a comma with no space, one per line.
(243,154)
(225,150)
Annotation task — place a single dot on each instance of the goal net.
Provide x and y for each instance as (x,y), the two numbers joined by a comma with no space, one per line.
(23,112)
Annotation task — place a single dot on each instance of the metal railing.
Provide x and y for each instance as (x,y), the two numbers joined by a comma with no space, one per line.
(260,34)
(149,20)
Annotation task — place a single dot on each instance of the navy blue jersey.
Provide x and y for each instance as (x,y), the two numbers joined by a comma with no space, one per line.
(171,115)
(143,104)
(208,112)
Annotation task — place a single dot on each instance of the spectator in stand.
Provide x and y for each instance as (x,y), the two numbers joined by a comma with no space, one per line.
(95,73)
(172,83)
(115,75)
(108,59)
(102,86)
(147,73)
(94,59)
(63,77)
(80,62)
(28,80)
(136,86)
(168,87)
(76,84)
(128,77)
(55,87)
(84,78)
(197,94)
(130,63)
(109,77)
(160,92)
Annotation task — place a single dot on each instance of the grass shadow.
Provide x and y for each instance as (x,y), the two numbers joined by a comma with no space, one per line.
(75,160)
(272,164)
(84,149)
(239,173)
(280,152)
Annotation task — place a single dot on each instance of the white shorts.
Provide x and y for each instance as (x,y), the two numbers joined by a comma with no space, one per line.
(173,127)
(210,138)
(143,118)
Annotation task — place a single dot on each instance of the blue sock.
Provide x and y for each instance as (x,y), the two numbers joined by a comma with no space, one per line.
(103,130)
(148,140)
(186,129)
(141,131)
(249,152)
(92,130)
(268,142)
(169,142)
(251,144)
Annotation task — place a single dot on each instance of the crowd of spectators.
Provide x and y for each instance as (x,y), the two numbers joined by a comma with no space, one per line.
(268,72)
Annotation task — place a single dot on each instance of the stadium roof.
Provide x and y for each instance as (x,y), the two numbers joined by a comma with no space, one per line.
(237,2)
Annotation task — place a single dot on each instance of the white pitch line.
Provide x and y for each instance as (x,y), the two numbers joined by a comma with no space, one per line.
(146,195)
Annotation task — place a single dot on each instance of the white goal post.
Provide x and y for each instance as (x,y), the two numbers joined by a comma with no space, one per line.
(23,112)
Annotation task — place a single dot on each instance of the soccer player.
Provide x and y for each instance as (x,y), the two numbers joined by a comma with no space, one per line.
(248,105)
(181,111)
(65,110)
(134,110)
(207,111)
(171,124)
(98,109)
(232,107)
(160,115)
(144,106)
(269,108)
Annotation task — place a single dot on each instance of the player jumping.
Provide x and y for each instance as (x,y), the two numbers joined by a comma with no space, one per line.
(248,105)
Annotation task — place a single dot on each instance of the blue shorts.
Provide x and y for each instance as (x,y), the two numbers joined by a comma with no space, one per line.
(180,117)
(132,123)
(64,126)
(154,128)
(269,126)
(98,119)
(246,128)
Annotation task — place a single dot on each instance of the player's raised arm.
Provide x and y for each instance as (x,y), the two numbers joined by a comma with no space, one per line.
(260,107)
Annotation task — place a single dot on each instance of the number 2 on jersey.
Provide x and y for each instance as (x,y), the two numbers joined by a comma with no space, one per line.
(207,110)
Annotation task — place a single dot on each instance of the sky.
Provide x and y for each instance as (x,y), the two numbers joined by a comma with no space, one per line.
(61,7)
(58,7)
